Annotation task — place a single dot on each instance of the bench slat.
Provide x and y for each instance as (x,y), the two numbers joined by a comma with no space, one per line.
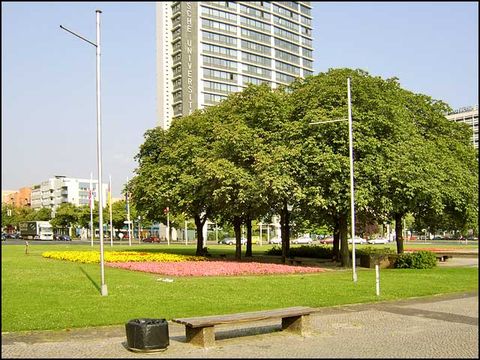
(247,316)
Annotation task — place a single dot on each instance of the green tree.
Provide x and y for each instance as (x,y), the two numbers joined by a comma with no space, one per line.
(66,216)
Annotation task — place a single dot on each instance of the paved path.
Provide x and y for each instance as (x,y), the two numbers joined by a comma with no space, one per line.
(443,326)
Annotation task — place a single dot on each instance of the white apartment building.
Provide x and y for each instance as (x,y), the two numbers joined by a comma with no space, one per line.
(209,49)
(469,116)
(61,189)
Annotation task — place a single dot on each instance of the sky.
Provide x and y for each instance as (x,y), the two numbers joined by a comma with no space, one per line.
(48,75)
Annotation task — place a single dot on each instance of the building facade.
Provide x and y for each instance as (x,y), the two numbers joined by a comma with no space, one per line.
(53,192)
(17,198)
(209,49)
(469,116)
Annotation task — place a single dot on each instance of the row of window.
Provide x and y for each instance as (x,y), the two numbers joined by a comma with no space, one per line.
(287,67)
(217,74)
(219,50)
(220,87)
(219,26)
(256,47)
(279,54)
(219,14)
(224,39)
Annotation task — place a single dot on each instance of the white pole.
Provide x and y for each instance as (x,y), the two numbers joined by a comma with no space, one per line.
(186,233)
(91,202)
(99,156)
(268,233)
(216,233)
(168,226)
(128,218)
(110,208)
(377,280)
(352,193)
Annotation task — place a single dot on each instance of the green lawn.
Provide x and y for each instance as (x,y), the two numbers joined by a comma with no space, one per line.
(39,293)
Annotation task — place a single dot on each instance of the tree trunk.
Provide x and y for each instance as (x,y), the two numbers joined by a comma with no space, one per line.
(199,225)
(399,233)
(248,252)
(237,227)
(285,230)
(344,252)
(336,241)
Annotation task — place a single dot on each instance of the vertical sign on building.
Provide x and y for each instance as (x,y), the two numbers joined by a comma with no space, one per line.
(189,56)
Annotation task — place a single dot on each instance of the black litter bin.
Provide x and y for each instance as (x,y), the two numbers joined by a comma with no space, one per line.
(147,334)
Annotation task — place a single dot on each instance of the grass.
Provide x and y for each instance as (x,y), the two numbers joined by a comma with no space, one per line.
(43,294)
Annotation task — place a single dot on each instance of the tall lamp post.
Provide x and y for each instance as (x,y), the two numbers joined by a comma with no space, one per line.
(352,190)
(104,290)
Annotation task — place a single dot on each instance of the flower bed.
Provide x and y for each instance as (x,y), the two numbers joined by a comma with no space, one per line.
(214,268)
(118,256)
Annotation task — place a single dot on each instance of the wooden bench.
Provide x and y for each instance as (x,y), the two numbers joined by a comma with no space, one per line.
(200,330)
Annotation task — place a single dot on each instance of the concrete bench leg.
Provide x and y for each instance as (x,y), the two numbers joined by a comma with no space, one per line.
(300,325)
(202,336)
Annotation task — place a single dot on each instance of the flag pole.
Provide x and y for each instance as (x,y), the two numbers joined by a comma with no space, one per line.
(128,217)
(90,198)
(110,206)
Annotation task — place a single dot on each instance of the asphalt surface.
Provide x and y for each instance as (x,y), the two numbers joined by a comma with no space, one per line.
(444,326)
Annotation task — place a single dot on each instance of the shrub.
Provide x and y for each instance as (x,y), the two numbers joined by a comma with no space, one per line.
(317,251)
(374,251)
(416,260)
(274,251)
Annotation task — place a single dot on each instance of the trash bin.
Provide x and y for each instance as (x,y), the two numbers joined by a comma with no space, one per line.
(145,335)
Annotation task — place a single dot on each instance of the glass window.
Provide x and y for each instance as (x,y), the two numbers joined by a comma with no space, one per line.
(228,40)
(219,26)
(257,70)
(219,50)
(256,59)
(254,23)
(254,35)
(256,47)
(213,61)
(287,56)
(219,14)
(286,34)
(286,45)
(287,67)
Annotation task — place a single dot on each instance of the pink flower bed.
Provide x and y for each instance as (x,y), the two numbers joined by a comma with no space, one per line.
(213,268)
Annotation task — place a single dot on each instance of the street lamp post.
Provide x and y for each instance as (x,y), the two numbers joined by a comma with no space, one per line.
(104,290)
(352,190)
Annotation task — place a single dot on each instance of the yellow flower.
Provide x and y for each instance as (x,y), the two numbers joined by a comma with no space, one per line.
(118,256)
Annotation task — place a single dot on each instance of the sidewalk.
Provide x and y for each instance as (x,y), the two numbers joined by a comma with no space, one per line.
(439,326)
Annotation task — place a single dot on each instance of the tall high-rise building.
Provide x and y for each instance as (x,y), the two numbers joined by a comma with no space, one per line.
(469,116)
(209,49)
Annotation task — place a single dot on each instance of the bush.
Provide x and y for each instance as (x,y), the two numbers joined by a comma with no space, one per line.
(274,251)
(416,260)
(317,251)
(374,251)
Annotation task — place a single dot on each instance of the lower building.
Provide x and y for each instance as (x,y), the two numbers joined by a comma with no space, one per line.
(469,116)
(55,191)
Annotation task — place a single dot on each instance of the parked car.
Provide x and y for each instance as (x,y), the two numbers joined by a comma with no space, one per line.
(378,241)
(151,239)
(275,241)
(327,240)
(303,240)
(358,240)
(232,241)
(64,238)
